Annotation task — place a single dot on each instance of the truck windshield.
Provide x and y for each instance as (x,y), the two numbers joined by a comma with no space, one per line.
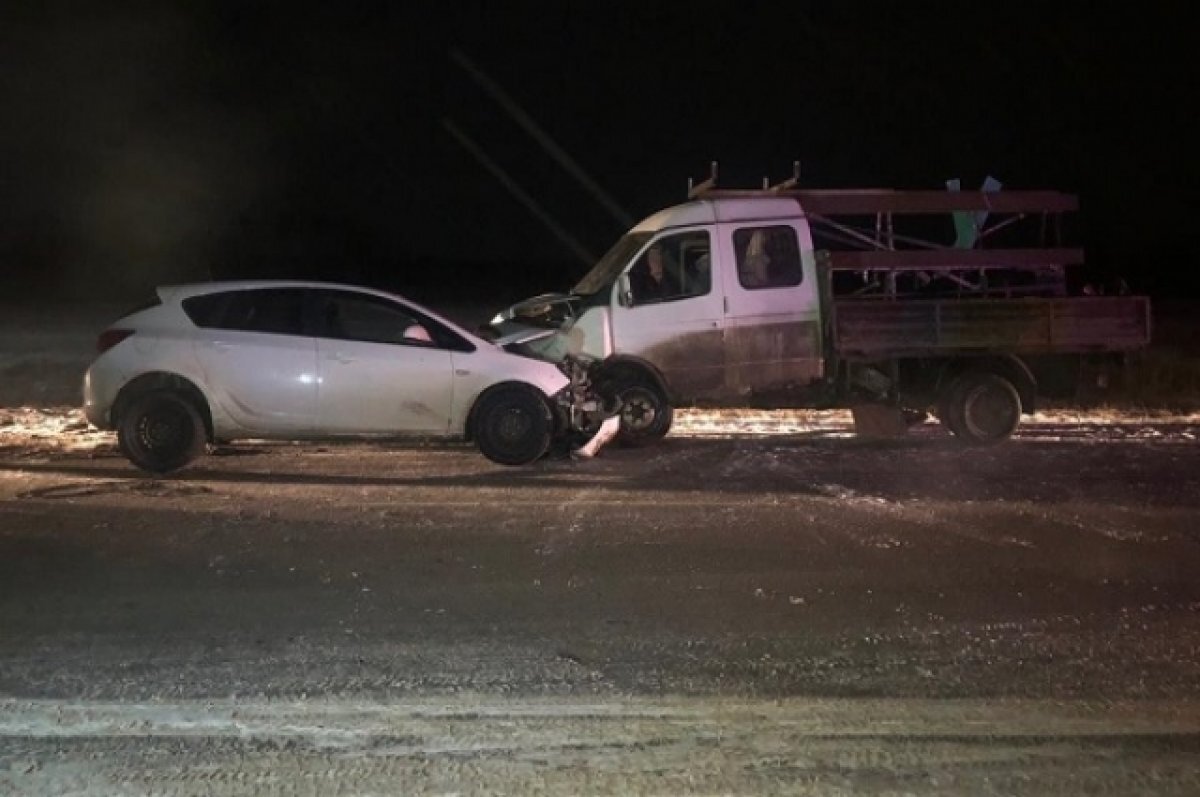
(605,272)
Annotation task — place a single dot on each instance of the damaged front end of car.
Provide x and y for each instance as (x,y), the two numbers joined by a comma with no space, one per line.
(584,409)
(580,407)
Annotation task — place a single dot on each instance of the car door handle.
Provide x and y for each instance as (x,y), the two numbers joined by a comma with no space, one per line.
(341,358)
(219,345)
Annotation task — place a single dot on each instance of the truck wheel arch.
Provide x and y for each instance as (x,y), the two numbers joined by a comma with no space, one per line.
(1011,367)
(647,406)
(622,368)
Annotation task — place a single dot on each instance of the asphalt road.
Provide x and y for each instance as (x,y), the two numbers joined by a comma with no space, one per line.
(745,608)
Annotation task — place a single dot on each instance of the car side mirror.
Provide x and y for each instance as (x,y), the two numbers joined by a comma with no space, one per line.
(624,291)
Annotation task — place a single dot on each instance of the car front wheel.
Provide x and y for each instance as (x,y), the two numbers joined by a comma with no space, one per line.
(160,432)
(513,425)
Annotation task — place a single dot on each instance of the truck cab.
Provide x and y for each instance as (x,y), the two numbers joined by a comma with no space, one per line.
(711,300)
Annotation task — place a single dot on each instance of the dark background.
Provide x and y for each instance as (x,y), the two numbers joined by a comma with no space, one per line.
(142,145)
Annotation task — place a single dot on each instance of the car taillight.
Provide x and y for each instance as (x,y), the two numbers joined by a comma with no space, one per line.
(111,337)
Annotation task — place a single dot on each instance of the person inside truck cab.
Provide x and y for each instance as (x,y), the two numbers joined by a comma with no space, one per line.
(698,275)
(650,279)
(754,264)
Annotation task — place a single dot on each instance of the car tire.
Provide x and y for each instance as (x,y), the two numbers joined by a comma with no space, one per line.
(646,414)
(981,408)
(160,431)
(513,425)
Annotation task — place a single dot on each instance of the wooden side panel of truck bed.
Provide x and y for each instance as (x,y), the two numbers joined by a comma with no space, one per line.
(870,329)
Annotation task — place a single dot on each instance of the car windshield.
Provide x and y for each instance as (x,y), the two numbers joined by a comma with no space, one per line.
(615,259)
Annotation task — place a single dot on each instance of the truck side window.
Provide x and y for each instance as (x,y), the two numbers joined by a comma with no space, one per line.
(767,257)
(673,267)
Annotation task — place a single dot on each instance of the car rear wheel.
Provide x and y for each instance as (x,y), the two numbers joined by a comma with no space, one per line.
(160,432)
(513,425)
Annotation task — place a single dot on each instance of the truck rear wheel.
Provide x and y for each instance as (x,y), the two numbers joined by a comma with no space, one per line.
(981,408)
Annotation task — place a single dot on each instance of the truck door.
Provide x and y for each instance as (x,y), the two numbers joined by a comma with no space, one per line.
(674,315)
(772,315)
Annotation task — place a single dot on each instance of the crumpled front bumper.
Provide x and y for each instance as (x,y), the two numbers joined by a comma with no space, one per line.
(581,407)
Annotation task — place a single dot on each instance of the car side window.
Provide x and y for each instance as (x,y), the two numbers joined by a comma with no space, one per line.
(206,310)
(341,315)
(767,257)
(278,311)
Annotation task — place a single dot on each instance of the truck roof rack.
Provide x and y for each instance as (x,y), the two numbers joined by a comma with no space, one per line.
(980,261)
(869,201)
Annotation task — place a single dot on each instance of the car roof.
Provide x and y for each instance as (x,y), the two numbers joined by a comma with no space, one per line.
(177,293)
(184,290)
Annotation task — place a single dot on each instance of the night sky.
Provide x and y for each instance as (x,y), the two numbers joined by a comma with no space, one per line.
(156,143)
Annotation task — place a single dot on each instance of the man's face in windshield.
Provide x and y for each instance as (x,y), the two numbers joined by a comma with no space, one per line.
(655,261)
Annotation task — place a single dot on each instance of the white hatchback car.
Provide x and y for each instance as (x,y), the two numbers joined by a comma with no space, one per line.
(219,361)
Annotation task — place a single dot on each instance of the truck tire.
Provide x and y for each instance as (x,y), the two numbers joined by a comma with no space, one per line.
(513,425)
(981,408)
(646,414)
(160,431)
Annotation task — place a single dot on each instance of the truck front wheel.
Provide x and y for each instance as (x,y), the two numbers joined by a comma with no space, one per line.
(646,414)
(981,408)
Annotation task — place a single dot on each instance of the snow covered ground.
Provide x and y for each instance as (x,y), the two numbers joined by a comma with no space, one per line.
(65,428)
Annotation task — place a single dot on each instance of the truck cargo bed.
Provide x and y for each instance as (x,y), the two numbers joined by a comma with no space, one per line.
(875,328)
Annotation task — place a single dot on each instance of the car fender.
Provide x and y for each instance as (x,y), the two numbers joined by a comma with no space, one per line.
(165,380)
(478,371)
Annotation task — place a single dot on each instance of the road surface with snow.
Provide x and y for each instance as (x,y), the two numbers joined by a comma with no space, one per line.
(761,604)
